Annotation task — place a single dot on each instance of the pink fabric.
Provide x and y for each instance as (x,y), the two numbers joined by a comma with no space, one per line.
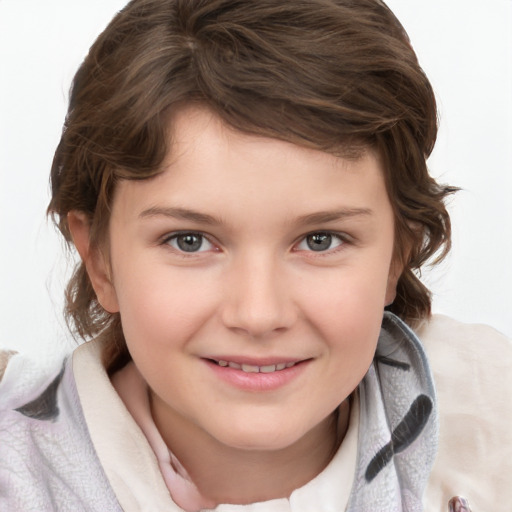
(133,391)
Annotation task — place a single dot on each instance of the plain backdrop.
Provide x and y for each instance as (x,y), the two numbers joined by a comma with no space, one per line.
(465,46)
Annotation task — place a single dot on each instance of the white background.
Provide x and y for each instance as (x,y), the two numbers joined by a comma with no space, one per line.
(465,46)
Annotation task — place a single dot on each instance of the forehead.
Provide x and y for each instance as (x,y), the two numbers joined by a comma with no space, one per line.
(215,168)
(188,122)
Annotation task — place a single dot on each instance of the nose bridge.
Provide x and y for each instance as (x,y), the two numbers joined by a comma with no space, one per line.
(258,301)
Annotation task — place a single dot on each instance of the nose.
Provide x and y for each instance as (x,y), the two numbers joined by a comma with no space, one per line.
(257,298)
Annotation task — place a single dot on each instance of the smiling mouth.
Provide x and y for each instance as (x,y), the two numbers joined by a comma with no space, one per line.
(249,368)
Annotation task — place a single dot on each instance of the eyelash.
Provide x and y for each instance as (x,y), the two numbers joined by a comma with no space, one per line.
(342,238)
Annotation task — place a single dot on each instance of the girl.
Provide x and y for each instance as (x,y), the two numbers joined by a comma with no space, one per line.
(246,185)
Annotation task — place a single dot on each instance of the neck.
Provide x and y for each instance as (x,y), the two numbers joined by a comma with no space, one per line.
(224,474)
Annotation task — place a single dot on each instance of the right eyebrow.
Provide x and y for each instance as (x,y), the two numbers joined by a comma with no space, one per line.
(334,215)
(179,213)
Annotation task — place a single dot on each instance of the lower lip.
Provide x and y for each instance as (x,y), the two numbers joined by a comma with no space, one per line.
(258,382)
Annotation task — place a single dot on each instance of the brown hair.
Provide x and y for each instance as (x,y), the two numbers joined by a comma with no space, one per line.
(334,75)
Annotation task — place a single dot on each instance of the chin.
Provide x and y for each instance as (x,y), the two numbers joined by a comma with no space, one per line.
(262,439)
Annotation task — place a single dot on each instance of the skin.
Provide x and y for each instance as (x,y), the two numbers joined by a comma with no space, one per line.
(254,290)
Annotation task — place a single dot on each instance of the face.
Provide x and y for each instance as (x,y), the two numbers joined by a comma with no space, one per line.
(251,277)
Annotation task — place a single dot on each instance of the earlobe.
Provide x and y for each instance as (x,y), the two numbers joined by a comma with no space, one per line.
(96,264)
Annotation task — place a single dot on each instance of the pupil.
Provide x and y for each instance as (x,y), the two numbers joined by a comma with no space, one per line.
(319,241)
(190,242)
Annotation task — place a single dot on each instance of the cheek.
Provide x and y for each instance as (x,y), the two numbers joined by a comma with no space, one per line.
(348,315)
(352,341)
(352,296)
(161,305)
(351,334)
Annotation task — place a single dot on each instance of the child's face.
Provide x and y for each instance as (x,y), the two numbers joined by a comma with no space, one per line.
(258,252)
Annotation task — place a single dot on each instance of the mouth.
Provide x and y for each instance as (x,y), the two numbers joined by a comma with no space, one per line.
(251,368)
(252,375)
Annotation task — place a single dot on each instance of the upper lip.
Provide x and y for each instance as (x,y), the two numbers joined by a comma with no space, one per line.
(256,361)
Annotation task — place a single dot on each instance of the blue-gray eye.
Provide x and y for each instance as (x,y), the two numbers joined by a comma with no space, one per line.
(189,242)
(321,241)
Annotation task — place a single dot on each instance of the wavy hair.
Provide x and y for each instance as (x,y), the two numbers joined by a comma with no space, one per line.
(334,75)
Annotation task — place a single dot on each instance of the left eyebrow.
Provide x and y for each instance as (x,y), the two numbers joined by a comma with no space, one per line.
(330,216)
(180,213)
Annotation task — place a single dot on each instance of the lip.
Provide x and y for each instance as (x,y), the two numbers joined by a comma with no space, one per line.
(257,381)
(255,361)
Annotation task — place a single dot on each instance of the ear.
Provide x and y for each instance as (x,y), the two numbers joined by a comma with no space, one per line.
(96,263)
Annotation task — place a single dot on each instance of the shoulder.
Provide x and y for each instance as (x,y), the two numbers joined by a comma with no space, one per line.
(470,338)
(5,355)
(471,367)
(41,427)
(31,389)
(24,376)
(29,408)
(474,358)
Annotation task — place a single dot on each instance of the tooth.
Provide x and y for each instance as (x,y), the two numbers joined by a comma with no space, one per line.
(236,366)
(223,363)
(280,366)
(289,365)
(268,369)
(248,368)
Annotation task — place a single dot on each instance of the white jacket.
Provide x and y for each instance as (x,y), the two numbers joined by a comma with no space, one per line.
(99,460)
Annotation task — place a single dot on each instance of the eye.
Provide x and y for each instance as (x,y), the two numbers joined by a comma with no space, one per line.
(189,242)
(320,242)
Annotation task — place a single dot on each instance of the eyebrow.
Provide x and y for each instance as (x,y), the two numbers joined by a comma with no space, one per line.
(333,215)
(179,213)
(204,218)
